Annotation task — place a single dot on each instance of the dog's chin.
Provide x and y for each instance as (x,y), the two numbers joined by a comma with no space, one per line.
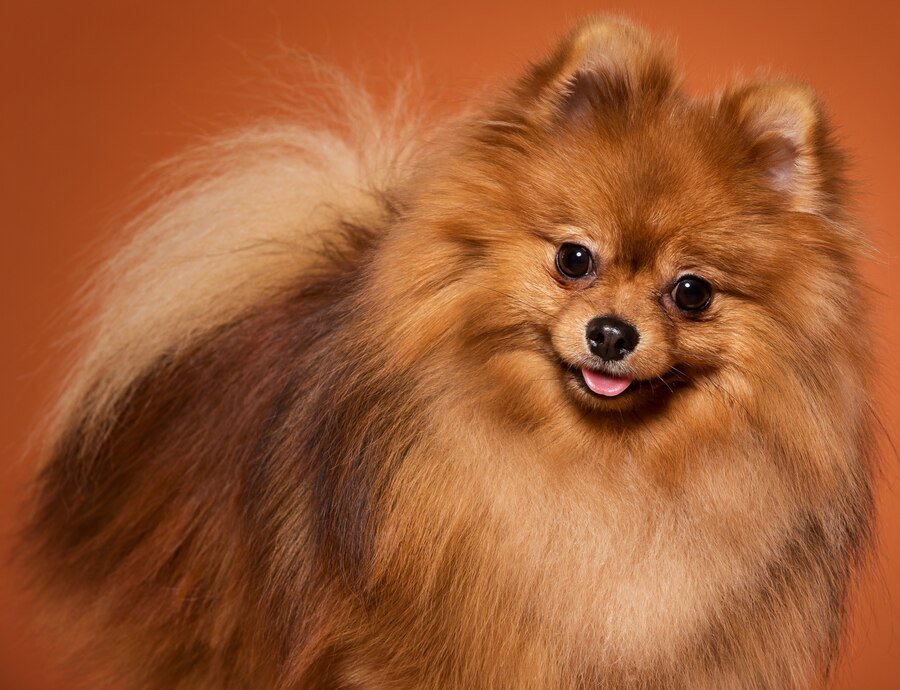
(599,390)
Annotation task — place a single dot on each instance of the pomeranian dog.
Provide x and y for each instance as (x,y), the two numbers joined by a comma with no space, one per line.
(569,393)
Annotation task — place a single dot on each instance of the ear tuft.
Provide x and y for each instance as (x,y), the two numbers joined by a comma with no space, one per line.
(785,129)
(603,64)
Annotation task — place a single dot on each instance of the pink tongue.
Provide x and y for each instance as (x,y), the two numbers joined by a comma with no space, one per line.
(602,384)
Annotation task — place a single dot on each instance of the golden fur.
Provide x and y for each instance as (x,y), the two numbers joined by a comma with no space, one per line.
(326,431)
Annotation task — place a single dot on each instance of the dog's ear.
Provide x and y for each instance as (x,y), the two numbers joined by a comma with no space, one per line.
(786,133)
(604,65)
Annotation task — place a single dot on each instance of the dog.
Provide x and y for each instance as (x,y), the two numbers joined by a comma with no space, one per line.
(570,391)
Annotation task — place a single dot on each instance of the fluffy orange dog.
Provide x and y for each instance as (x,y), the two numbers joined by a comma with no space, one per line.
(571,396)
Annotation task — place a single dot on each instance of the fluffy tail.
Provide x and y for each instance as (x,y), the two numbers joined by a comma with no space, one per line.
(232,223)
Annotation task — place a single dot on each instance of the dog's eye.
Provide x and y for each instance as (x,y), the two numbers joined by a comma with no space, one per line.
(573,260)
(691,294)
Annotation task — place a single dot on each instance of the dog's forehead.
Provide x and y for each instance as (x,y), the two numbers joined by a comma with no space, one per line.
(656,205)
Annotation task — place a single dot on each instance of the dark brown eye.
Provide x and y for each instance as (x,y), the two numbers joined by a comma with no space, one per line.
(692,294)
(574,261)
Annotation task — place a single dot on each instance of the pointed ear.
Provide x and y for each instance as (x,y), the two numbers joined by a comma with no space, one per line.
(785,128)
(605,64)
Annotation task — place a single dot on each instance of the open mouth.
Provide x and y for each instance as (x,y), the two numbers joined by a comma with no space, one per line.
(602,385)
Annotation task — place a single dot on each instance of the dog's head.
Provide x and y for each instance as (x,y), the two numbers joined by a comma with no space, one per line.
(619,242)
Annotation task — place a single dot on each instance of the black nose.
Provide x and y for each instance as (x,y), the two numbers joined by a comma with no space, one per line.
(610,338)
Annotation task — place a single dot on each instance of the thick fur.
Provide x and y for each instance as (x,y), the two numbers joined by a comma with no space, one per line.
(326,434)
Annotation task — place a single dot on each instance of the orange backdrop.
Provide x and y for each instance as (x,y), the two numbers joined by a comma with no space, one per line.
(96,92)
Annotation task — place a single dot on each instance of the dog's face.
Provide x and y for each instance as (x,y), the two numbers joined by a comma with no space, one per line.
(641,282)
(624,243)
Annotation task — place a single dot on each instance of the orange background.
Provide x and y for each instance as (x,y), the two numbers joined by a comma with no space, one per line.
(93,93)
